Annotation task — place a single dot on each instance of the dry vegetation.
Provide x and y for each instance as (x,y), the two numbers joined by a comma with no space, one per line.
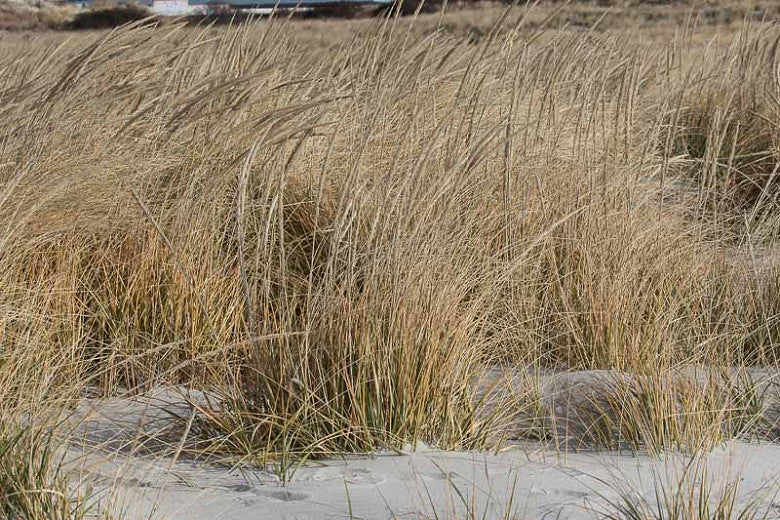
(37,14)
(338,231)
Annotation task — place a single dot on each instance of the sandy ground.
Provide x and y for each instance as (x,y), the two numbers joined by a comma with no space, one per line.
(539,484)
(140,438)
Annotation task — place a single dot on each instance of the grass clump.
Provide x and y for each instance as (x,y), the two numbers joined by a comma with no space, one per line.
(691,493)
(34,484)
(725,127)
(665,411)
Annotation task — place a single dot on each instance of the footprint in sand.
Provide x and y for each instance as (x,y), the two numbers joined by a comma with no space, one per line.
(284,495)
(439,476)
(100,479)
(319,474)
(135,482)
(241,488)
(358,476)
(277,494)
(353,476)
(570,493)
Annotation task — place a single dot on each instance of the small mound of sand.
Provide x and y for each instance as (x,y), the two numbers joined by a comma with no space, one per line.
(592,408)
(154,422)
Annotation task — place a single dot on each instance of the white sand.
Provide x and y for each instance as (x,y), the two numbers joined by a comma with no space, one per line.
(405,486)
(139,435)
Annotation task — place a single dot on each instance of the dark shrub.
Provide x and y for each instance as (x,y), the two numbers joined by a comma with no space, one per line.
(332,11)
(409,7)
(110,17)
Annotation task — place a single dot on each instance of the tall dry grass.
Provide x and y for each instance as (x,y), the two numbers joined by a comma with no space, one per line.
(340,238)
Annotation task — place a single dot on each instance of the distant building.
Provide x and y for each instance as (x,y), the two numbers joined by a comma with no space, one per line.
(181,7)
(104,4)
(285,4)
(162,7)
(170,7)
